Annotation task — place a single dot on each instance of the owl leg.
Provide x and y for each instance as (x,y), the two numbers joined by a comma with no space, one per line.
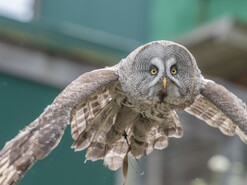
(137,141)
(159,135)
(125,117)
(116,144)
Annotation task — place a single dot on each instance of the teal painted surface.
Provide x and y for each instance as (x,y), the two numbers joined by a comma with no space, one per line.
(65,27)
(59,26)
(49,39)
(236,8)
(169,19)
(21,102)
(126,18)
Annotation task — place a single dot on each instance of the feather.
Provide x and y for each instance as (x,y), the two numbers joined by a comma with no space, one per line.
(157,134)
(116,151)
(86,136)
(40,137)
(34,142)
(114,158)
(125,166)
(97,148)
(220,108)
(86,110)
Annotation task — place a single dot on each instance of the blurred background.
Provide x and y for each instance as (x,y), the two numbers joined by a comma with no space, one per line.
(45,44)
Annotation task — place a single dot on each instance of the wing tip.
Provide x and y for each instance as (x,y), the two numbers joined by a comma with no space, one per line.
(241,135)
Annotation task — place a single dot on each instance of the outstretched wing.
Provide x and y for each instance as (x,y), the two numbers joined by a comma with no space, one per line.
(39,138)
(220,108)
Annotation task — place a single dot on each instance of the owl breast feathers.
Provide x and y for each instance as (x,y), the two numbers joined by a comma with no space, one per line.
(127,108)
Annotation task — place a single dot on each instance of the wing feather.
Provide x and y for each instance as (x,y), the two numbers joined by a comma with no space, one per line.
(97,148)
(96,114)
(114,158)
(205,110)
(117,138)
(142,136)
(158,136)
(220,108)
(40,137)
(110,135)
(87,109)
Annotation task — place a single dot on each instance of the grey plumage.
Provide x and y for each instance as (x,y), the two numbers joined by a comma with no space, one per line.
(220,108)
(127,107)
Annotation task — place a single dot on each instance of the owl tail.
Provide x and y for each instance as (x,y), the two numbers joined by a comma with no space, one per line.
(34,142)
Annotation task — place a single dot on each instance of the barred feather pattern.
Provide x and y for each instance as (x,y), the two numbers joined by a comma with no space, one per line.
(101,121)
(158,133)
(98,146)
(203,109)
(91,121)
(114,158)
(40,137)
(34,142)
(86,111)
(97,134)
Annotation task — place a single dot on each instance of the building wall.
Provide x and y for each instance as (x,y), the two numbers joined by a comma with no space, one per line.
(128,19)
(169,19)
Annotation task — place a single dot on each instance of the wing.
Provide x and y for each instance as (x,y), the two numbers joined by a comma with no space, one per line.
(39,138)
(220,108)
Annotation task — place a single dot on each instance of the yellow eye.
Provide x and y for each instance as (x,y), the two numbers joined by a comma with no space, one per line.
(174,70)
(153,71)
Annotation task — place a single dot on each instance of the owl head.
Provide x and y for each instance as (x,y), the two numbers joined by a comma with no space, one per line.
(161,70)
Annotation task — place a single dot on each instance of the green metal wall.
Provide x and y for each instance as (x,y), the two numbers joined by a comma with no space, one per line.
(235,8)
(135,21)
(21,102)
(128,18)
(169,19)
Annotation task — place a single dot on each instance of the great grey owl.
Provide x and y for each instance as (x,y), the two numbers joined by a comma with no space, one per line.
(126,108)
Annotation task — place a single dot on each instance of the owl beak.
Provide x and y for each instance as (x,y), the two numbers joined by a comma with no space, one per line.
(164,82)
